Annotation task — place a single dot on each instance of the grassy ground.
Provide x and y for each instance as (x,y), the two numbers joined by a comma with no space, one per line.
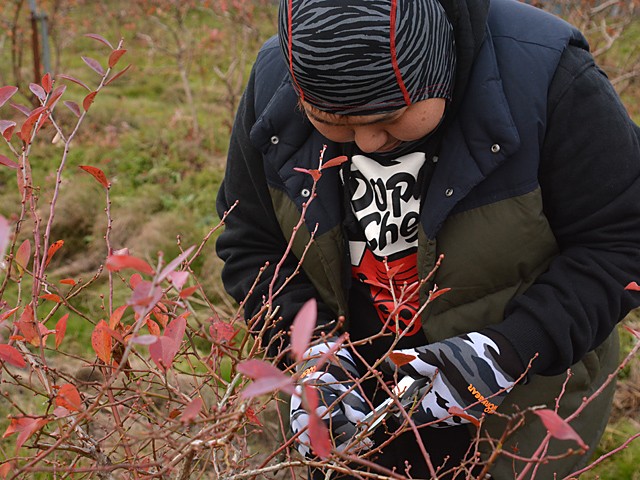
(165,157)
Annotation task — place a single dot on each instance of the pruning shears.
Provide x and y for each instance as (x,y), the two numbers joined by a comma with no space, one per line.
(407,391)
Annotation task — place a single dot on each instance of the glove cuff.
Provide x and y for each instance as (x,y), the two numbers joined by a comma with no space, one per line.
(508,360)
(315,356)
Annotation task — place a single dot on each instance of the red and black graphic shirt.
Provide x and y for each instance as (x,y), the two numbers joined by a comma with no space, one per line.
(384,198)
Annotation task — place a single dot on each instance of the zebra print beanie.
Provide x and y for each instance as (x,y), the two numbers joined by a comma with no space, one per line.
(363,57)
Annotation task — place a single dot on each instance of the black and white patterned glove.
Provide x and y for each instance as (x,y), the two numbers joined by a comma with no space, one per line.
(332,380)
(474,373)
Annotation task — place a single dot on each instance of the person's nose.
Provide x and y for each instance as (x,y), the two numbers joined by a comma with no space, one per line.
(369,138)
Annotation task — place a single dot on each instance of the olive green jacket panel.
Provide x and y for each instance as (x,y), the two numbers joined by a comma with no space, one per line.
(488,255)
(323,256)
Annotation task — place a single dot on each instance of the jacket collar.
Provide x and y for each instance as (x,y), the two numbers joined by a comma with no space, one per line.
(479,138)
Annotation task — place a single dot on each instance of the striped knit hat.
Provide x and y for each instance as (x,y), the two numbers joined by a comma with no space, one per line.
(363,57)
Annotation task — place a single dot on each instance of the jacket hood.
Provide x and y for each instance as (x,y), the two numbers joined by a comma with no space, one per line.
(469,20)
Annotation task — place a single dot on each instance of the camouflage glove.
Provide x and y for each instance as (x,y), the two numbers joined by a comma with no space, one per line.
(332,380)
(474,373)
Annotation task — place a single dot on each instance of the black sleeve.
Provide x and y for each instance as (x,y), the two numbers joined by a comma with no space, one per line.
(252,237)
(590,181)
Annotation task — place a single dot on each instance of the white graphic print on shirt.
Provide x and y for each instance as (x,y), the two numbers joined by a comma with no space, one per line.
(386,202)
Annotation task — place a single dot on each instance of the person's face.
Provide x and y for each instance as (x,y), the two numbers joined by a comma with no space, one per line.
(379,133)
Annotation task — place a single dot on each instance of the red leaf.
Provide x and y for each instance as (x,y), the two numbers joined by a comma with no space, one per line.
(116,316)
(60,412)
(94,65)
(23,254)
(12,356)
(115,335)
(25,426)
(46,82)
(115,263)
(153,327)
(55,246)
(161,317)
(6,93)
(99,38)
(97,174)
(458,412)
(400,359)
(115,56)
(6,315)
(311,396)
(26,111)
(73,79)
(38,91)
(268,378)
(134,280)
(255,369)
(27,326)
(101,341)
(7,162)
(558,428)
(6,128)
(8,133)
(27,126)
(74,107)
(175,263)
(88,100)
(315,174)
(221,331)
(263,386)
(319,436)
(178,279)
(176,328)
(633,286)
(187,292)
(144,297)
(118,75)
(5,468)
(302,328)
(437,293)
(191,411)
(334,162)
(61,329)
(163,351)
(252,417)
(69,398)
(55,96)
(68,281)
(51,297)
(391,272)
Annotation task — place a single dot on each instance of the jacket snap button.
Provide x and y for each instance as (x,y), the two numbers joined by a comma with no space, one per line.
(435,159)
(495,148)
(275,140)
(448,192)
(305,192)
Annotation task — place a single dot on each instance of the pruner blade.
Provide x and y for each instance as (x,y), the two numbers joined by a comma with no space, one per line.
(405,391)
